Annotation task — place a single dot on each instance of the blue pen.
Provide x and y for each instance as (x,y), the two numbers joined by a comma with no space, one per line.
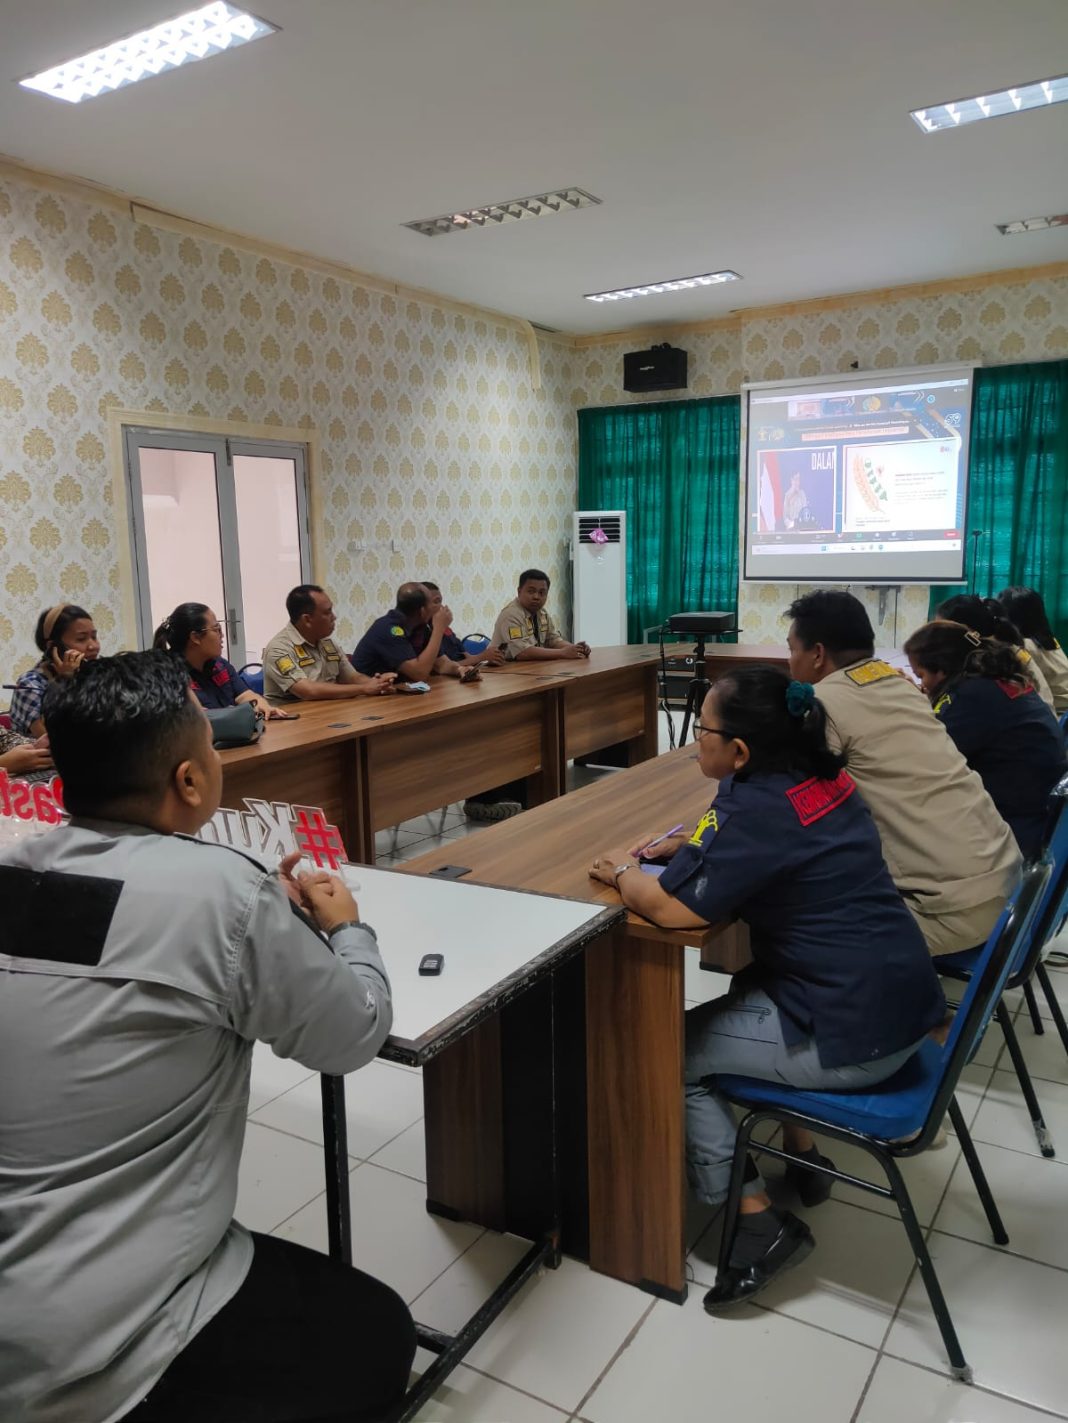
(643,854)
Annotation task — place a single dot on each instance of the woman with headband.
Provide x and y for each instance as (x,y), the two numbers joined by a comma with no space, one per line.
(66,637)
(841,991)
(996,719)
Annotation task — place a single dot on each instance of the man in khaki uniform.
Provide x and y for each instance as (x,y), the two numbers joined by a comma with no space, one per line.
(952,857)
(525,632)
(303,663)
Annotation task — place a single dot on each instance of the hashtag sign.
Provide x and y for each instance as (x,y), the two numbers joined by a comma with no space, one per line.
(315,837)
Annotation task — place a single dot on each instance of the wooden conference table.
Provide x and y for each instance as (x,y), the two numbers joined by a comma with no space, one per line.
(622,1173)
(371,762)
(724,657)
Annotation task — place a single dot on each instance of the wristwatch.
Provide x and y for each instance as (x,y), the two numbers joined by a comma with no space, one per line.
(348,924)
(620,868)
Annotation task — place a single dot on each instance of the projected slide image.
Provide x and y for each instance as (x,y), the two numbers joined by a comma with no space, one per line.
(795,491)
(900,486)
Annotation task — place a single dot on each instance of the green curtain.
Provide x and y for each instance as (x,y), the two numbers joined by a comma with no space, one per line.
(1019,486)
(674,467)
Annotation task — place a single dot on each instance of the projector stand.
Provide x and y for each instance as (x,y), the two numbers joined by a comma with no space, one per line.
(698,689)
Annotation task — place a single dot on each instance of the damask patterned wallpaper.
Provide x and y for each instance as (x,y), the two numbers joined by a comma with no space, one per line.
(996,321)
(430,431)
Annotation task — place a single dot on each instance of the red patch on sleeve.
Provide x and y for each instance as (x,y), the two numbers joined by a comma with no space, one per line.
(813,799)
(221,677)
(1014,689)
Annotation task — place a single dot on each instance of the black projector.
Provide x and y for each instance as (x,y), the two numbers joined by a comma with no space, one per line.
(701,624)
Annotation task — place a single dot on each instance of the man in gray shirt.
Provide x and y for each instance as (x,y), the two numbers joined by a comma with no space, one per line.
(137,968)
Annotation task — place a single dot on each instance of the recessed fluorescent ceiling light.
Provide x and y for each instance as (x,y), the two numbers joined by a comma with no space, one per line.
(541,205)
(677,284)
(1032,224)
(183,40)
(990,106)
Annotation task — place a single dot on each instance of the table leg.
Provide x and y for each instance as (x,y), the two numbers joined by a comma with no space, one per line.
(551,780)
(728,951)
(464,1112)
(646,746)
(634,1064)
(336,1162)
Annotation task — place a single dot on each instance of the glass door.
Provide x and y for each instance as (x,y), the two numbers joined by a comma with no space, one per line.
(219,522)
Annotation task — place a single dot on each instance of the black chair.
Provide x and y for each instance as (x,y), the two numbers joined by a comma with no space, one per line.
(900,1117)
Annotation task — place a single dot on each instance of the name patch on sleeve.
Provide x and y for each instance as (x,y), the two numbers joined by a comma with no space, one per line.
(874,671)
(813,799)
(515,632)
(285,665)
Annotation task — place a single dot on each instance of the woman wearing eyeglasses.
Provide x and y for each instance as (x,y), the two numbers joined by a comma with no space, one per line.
(998,722)
(841,991)
(194,633)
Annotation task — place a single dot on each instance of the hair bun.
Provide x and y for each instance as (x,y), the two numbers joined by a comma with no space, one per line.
(800,698)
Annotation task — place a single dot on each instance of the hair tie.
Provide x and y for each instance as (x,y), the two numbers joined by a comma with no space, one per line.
(973,637)
(51,618)
(800,697)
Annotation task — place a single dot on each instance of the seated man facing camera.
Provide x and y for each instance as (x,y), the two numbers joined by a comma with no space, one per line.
(303,662)
(525,632)
(139,967)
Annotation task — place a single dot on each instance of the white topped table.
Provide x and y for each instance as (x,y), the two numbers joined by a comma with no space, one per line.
(502,949)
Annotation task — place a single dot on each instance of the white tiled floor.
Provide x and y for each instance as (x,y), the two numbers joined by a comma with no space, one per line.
(846,1338)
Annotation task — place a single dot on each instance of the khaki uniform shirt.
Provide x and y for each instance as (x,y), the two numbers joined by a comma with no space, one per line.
(1036,672)
(287,658)
(1054,667)
(515,630)
(944,842)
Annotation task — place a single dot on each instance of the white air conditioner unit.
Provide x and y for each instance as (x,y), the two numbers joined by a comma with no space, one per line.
(599,563)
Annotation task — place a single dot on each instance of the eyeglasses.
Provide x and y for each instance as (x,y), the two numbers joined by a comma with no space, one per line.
(211,627)
(699,731)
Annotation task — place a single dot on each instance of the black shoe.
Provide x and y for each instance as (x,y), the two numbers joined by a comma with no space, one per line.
(738,1284)
(812,1187)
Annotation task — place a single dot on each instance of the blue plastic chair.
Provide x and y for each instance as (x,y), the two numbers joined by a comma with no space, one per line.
(899,1117)
(253,675)
(961,966)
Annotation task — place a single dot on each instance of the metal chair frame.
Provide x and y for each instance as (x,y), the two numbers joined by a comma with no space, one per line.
(1009,939)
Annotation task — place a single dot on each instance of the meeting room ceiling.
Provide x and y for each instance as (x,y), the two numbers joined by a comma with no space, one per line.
(772,138)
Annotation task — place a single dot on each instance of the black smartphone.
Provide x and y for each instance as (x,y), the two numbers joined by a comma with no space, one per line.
(450,872)
(430,965)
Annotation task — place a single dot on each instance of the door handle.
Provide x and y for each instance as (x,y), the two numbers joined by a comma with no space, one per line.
(233,622)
